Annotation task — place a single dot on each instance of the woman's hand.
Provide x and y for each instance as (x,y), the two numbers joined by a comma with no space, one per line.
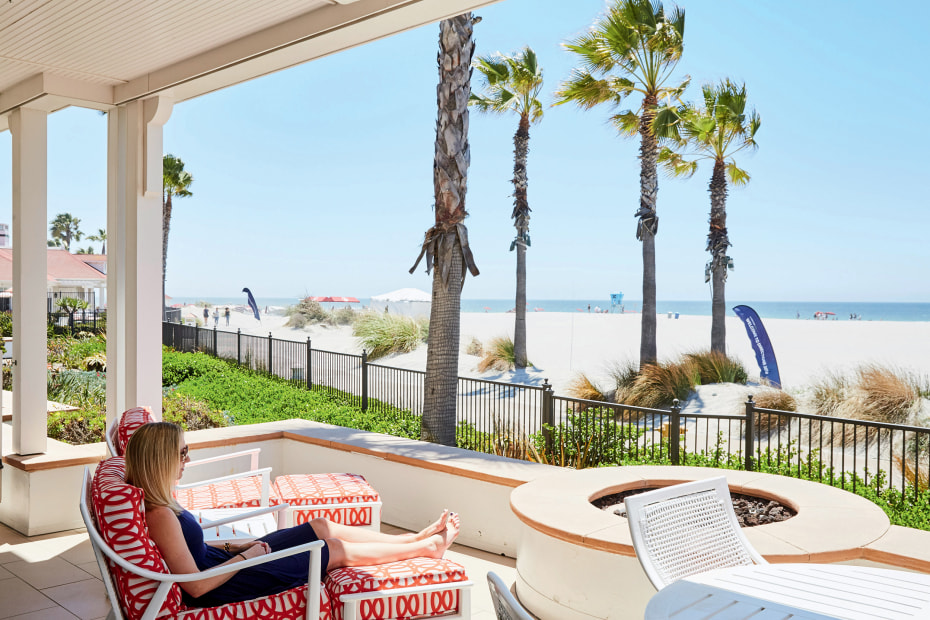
(254,549)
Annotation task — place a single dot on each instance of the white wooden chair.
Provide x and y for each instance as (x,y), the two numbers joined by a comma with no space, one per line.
(686,529)
(506,605)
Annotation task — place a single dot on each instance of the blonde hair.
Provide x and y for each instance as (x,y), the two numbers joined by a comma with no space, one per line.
(153,458)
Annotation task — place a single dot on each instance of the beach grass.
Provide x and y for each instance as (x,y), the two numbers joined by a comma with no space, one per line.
(382,334)
(583,388)
(499,355)
(716,367)
(772,399)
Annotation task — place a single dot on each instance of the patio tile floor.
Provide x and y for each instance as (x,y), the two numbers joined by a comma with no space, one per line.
(55,576)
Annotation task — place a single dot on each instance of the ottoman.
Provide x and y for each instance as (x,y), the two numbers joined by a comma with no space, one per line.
(431,588)
(342,498)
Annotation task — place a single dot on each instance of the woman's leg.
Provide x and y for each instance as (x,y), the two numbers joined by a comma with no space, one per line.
(326,529)
(347,553)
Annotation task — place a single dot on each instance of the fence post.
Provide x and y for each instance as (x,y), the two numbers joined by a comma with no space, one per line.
(270,359)
(196,337)
(749,440)
(548,416)
(309,381)
(364,380)
(216,351)
(239,347)
(674,445)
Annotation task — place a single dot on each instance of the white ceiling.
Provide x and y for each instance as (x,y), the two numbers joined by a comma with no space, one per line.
(100,53)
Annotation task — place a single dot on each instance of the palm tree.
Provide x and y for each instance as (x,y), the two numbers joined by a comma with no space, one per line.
(718,131)
(633,48)
(101,236)
(512,84)
(64,229)
(446,244)
(176,182)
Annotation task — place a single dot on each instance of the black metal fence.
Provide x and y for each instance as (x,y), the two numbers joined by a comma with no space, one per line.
(531,422)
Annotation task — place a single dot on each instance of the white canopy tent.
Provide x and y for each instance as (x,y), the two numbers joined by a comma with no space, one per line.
(405,301)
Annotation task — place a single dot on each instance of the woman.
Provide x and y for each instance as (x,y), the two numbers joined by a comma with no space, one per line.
(155,459)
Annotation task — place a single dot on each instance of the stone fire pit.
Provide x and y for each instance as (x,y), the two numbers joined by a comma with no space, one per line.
(575,561)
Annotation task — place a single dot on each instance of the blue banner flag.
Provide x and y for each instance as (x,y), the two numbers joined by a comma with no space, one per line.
(252,304)
(761,344)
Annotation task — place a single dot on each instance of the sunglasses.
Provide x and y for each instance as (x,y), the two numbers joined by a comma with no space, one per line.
(184,452)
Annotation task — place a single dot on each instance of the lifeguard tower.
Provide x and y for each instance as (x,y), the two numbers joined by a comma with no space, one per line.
(616,302)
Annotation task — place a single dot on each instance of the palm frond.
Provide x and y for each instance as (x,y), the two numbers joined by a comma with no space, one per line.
(586,91)
(737,175)
(626,123)
(675,165)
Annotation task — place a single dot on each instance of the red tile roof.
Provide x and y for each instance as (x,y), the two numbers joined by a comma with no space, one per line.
(62,265)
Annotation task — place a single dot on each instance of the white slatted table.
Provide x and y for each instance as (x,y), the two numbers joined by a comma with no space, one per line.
(240,531)
(795,591)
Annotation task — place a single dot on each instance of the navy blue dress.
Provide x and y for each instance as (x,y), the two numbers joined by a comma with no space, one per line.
(255,581)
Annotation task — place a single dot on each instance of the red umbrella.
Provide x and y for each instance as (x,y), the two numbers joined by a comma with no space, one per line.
(338,300)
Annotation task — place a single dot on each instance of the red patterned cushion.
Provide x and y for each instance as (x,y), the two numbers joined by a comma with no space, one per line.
(288,605)
(346,514)
(237,493)
(128,423)
(394,575)
(120,516)
(315,489)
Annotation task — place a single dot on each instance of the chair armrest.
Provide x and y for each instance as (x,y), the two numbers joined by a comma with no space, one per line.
(245,515)
(265,472)
(253,461)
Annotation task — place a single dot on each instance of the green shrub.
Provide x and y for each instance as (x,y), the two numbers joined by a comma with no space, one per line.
(71,352)
(307,312)
(77,427)
(78,388)
(6,324)
(178,367)
(343,316)
(190,414)
(382,334)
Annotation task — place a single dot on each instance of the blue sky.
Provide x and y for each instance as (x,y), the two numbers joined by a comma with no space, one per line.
(318,179)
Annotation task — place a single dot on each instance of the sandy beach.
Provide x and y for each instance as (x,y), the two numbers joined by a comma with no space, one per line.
(560,345)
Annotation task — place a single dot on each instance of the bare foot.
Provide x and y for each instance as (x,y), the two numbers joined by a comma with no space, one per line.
(435,527)
(443,540)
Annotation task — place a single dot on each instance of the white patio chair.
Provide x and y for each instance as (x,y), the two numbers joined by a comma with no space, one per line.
(687,529)
(506,605)
(151,588)
(251,488)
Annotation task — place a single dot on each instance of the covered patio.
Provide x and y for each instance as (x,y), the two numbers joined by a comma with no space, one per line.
(121,57)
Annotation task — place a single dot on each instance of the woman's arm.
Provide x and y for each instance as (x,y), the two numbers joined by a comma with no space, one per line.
(165,531)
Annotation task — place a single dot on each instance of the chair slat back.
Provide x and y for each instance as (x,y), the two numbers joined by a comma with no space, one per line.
(505,605)
(687,529)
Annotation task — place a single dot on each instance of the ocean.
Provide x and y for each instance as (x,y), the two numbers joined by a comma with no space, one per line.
(842,310)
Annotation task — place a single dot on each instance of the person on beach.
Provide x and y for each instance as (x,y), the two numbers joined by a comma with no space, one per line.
(226,314)
(216,317)
(155,460)
(206,315)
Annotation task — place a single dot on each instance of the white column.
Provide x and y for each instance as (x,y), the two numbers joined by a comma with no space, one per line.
(134,229)
(29,131)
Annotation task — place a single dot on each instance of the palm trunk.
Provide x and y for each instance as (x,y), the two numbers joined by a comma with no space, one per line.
(717,244)
(446,244)
(521,221)
(165,227)
(647,228)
